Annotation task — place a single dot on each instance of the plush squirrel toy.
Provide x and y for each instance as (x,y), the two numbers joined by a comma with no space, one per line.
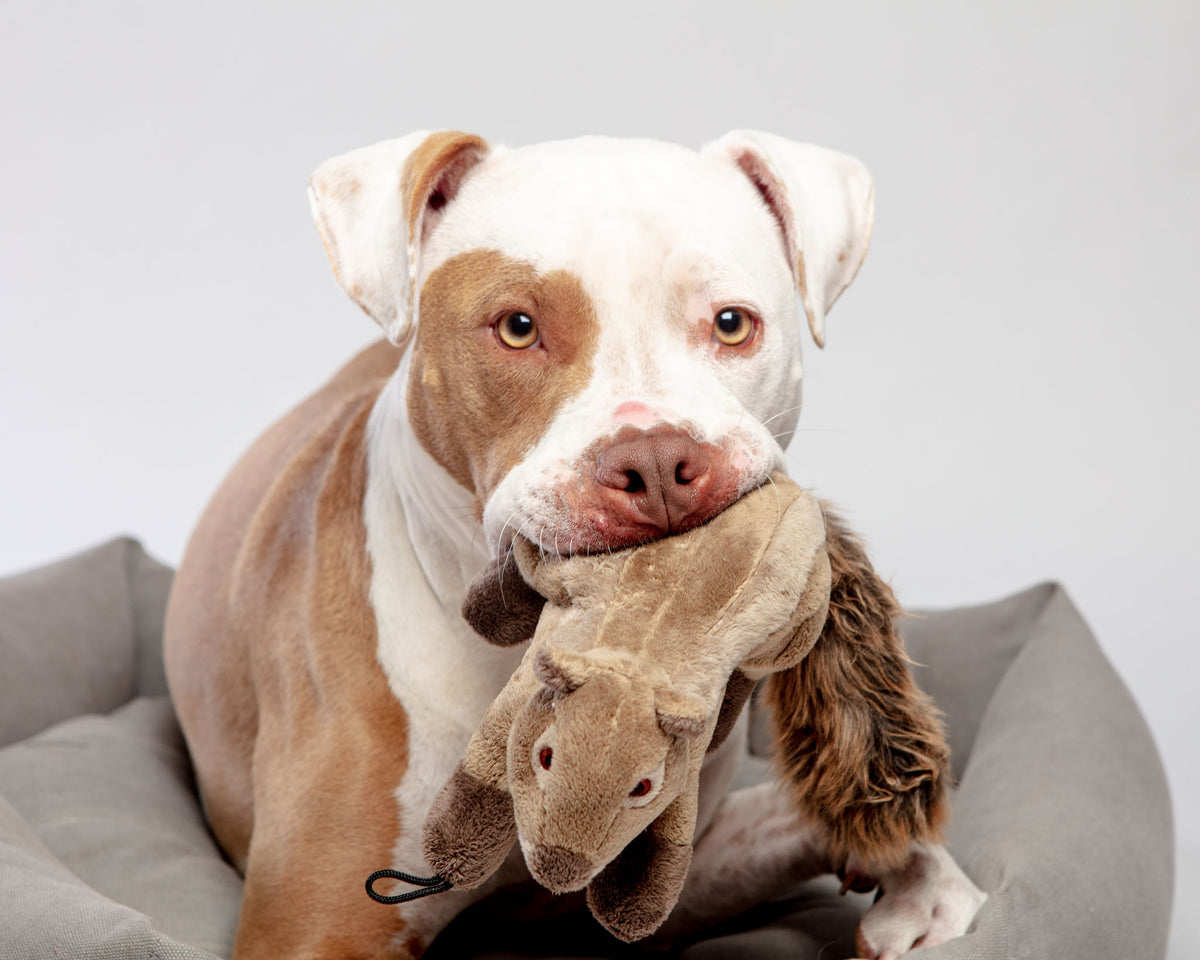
(640,663)
(591,754)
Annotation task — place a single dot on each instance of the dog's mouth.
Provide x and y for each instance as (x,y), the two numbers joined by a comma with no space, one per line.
(630,487)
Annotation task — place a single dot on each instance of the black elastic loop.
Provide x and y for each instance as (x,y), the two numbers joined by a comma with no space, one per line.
(432,885)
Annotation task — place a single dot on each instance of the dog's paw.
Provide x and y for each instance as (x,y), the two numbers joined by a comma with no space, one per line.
(927,902)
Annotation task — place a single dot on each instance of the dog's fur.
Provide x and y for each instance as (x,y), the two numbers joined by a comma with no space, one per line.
(324,677)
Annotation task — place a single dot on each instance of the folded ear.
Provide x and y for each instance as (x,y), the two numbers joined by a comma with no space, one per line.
(824,202)
(375,207)
(563,671)
(680,714)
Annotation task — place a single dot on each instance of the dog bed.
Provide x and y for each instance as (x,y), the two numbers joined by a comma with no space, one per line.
(1061,814)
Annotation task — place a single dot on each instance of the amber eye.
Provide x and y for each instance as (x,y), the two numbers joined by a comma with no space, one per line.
(642,788)
(545,757)
(733,326)
(517,330)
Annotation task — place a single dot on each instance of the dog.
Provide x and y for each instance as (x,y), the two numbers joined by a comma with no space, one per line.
(592,343)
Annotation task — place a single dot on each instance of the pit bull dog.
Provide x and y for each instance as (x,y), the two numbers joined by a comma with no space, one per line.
(591,343)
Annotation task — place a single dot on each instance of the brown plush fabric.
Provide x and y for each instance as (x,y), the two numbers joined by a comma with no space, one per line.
(471,830)
(737,692)
(632,896)
(501,607)
(862,747)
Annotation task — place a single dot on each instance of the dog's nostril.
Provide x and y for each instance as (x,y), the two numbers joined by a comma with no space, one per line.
(634,483)
(690,469)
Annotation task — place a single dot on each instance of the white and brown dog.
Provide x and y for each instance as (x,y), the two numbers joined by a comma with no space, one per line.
(592,343)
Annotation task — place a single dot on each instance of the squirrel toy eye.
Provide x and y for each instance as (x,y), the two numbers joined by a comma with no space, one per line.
(517,331)
(642,788)
(545,756)
(733,326)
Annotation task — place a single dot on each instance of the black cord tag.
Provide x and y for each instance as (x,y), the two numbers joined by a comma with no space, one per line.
(431,886)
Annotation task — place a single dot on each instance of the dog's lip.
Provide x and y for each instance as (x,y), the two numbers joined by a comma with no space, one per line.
(605,537)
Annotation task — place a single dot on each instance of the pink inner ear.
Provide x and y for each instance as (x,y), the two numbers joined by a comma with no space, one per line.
(759,172)
(446,186)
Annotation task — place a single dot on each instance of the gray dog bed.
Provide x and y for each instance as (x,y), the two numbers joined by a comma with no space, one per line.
(1061,815)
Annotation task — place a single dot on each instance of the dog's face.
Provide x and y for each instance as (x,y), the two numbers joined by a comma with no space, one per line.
(604,335)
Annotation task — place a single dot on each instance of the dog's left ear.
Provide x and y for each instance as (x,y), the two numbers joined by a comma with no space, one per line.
(824,202)
(376,206)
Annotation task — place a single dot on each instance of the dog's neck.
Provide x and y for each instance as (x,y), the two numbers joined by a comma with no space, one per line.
(438,513)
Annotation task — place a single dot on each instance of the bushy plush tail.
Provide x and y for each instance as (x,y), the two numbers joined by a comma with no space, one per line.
(862,747)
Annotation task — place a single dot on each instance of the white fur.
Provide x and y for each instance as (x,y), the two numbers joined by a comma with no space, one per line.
(356,202)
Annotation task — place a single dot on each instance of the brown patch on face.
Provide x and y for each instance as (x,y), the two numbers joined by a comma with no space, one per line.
(476,406)
(435,159)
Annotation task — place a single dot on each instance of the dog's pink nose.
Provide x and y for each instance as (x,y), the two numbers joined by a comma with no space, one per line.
(653,482)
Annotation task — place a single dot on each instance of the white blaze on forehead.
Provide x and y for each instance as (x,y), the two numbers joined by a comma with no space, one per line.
(594,205)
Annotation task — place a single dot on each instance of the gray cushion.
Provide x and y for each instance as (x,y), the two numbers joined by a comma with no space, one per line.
(112,798)
(1062,812)
(83,635)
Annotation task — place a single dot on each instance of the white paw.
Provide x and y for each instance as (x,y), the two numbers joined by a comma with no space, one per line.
(927,902)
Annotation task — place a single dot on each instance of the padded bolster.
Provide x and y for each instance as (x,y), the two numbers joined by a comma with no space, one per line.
(1063,815)
(83,635)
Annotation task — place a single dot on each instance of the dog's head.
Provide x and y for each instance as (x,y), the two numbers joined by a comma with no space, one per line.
(603,335)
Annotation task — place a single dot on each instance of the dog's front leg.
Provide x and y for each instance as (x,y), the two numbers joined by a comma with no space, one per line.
(927,901)
(757,845)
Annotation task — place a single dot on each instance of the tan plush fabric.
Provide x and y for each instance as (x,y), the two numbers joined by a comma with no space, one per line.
(600,734)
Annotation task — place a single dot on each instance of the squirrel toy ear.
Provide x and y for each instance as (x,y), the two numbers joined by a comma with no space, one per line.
(680,714)
(501,607)
(563,672)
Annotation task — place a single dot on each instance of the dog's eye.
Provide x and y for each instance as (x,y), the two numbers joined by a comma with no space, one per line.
(517,331)
(642,788)
(545,757)
(733,326)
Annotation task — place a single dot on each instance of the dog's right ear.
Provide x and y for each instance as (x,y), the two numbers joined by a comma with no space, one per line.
(824,203)
(375,207)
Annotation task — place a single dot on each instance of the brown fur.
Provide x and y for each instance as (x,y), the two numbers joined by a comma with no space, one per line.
(476,406)
(436,167)
(862,747)
(268,621)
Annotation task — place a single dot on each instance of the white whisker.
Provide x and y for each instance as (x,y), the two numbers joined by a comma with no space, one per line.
(781,413)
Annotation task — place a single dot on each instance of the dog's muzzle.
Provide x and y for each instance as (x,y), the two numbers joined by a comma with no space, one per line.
(639,485)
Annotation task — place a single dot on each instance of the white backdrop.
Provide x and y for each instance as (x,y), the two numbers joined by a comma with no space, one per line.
(1008,392)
